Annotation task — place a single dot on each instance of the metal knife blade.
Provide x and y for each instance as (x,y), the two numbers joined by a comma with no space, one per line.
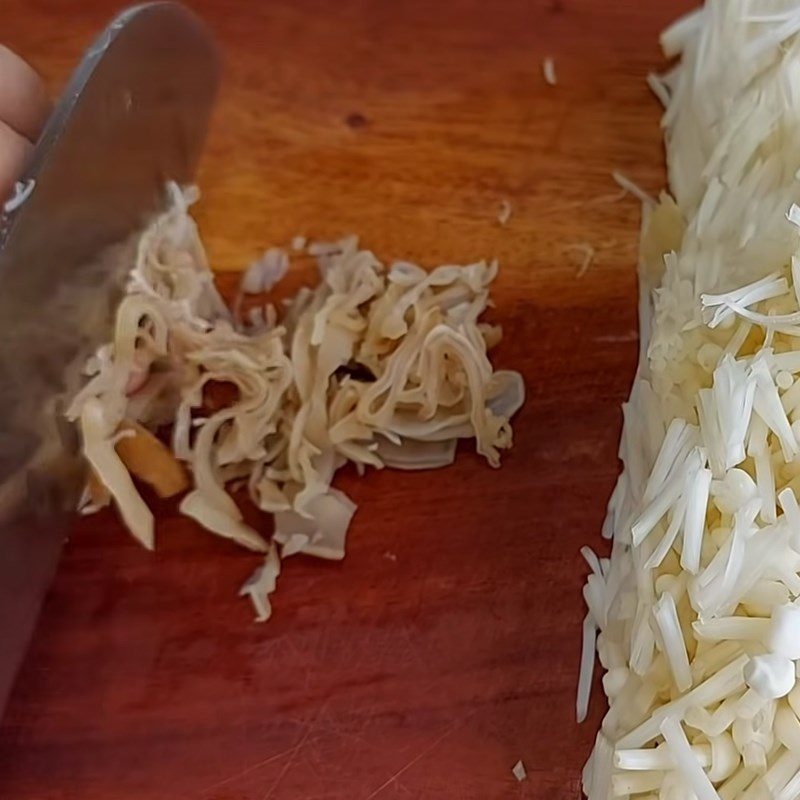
(133,116)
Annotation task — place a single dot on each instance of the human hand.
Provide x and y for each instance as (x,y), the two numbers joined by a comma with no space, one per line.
(23,109)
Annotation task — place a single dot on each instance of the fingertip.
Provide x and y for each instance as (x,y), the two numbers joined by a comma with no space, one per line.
(15,151)
(24,104)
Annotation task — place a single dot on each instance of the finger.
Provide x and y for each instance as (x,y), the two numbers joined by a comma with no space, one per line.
(24,105)
(15,150)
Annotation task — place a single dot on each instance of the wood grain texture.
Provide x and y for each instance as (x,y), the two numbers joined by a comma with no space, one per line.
(428,675)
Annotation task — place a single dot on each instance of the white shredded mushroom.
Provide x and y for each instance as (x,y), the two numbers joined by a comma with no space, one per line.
(549,71)
(632,188)
(587,256)
(373,366)
(22,191)
(265,272)
(504,214)
(695,617)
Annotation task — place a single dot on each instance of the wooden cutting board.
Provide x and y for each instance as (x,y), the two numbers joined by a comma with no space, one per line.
(445,647)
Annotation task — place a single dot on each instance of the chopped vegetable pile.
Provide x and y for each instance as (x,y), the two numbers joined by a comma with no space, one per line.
(373,366)
(696,614)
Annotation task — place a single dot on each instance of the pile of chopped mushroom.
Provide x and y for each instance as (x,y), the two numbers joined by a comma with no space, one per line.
(381,368)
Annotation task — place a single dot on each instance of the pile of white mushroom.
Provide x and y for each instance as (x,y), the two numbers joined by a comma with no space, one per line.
(696,613)
(375,367)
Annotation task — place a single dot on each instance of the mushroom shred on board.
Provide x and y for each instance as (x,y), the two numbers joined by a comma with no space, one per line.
(374,366)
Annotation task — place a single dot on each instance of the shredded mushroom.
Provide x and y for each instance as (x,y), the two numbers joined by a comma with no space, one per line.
(375,367)
(695,616)
(549,71)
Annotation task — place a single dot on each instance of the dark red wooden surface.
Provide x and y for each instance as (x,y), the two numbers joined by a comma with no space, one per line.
(445,647)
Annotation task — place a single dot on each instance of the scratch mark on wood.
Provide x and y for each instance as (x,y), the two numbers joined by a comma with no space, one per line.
(424,752)
(293,753)
(247,770)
